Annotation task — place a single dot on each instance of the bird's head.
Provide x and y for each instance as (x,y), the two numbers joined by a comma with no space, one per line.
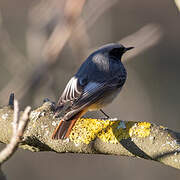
(114,50)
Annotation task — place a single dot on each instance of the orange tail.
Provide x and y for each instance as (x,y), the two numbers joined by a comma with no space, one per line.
(64,128)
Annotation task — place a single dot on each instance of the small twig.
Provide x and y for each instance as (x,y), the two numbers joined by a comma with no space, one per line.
(23,122)
(15,117)
(11,100)
(19,125)
(177,2)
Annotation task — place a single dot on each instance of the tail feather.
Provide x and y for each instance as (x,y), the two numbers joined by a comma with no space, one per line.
(63,130)
(58,110)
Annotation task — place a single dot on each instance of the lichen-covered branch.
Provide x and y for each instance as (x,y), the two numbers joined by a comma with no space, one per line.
(96,136)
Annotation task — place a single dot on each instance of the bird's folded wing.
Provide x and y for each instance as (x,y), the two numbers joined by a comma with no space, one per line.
(72,91)
(94,91)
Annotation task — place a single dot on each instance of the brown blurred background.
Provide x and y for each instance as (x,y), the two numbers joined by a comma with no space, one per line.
(42,43)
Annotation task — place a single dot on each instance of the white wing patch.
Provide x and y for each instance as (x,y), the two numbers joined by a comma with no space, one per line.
(71,92)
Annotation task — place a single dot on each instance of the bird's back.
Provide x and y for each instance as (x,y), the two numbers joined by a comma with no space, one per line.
(99,68)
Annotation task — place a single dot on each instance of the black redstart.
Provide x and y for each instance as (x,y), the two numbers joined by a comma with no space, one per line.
(97,82)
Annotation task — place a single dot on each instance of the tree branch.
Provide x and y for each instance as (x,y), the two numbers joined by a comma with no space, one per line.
(96,136)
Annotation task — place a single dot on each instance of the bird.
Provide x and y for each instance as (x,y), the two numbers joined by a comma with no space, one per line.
(98,81)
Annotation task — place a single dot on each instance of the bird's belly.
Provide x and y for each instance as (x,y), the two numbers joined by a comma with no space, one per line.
(105,100)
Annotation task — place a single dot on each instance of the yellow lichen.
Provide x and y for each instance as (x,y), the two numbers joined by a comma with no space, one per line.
(86,130)
(163,127)
(141,129)
(113,134)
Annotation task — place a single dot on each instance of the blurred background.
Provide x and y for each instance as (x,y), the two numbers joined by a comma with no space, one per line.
(42,44)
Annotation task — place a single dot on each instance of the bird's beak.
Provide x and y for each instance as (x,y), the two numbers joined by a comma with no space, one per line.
(128,48)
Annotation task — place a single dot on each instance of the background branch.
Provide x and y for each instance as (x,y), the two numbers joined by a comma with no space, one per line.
(59,22)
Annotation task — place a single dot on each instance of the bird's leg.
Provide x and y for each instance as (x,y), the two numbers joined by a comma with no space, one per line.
(104,114)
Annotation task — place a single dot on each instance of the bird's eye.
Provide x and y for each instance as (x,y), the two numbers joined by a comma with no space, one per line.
(117,52)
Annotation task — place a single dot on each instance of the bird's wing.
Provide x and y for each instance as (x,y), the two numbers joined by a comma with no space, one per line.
(88,70)
(72,91)
(94,91)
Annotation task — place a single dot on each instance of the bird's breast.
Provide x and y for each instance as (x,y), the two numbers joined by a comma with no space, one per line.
(105,100)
